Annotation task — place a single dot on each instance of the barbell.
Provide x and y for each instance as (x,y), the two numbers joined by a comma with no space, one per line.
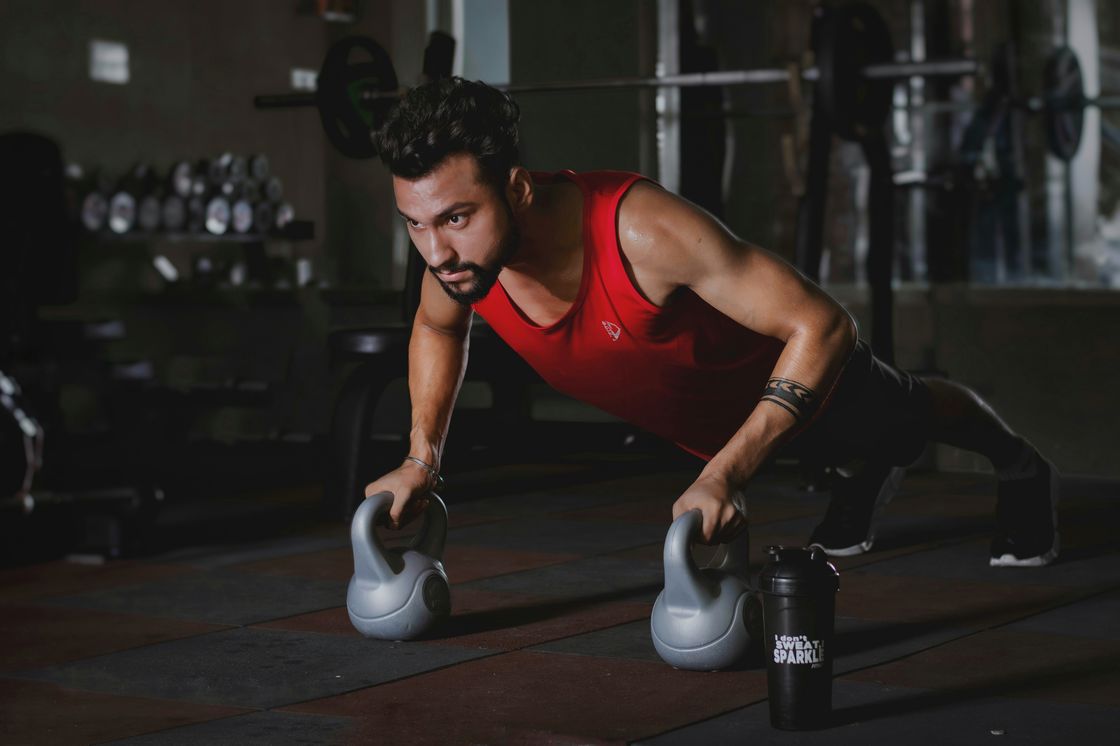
(853,76)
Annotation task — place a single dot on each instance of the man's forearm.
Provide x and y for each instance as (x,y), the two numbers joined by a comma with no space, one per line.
(804,374)
(436,363)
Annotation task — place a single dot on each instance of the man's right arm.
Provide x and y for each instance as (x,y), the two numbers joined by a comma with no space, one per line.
(437,358)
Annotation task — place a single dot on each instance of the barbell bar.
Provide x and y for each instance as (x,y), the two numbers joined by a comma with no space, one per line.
(1033,104)
(758,76)
(852,70)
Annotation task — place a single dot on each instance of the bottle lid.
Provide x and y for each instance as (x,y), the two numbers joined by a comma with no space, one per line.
(801,571)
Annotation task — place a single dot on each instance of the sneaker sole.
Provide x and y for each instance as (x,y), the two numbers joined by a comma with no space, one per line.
(1041,560)
(851,551)
(886,494)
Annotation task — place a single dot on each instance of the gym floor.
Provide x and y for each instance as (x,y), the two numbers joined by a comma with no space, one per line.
(554,569)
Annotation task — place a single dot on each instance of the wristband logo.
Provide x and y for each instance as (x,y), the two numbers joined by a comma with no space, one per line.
(798,650)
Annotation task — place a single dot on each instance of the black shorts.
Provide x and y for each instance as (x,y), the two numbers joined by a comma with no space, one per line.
(877,413)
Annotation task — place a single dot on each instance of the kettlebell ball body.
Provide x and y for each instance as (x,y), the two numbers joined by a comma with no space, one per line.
(705,619)
(398,594)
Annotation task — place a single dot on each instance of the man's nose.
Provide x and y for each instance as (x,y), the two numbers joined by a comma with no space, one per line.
(436,251)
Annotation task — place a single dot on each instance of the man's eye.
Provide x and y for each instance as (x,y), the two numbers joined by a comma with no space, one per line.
(455,219)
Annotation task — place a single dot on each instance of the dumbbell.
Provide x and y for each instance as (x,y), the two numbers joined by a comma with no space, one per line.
(269,217)
(149,212)
(124,204)
(242,196)
(174,212)
(218,215)
(264,215)
(96,188)
(181,179)
(149,209)
(259,170)
(273,189)
(196,214)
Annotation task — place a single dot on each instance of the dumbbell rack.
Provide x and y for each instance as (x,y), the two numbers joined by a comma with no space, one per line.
(252,247)
(298,230)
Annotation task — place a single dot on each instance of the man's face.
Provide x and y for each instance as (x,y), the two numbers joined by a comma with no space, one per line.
(460,224)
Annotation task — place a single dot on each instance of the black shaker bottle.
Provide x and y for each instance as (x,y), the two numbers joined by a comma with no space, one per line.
(798,607)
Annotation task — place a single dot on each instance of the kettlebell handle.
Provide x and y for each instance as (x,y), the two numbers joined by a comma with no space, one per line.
(370,557)
(685,586)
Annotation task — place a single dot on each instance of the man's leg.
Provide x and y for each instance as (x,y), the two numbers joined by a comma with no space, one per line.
(960,418)
(1026,511)
(884,417)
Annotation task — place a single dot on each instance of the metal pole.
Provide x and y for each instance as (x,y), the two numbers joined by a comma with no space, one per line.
(928,68)
(759,76)
(917,84)
(284,100)
(668,101)
(680,80)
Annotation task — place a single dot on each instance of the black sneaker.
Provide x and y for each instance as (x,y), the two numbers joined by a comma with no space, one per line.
(848,527)
(1027,519)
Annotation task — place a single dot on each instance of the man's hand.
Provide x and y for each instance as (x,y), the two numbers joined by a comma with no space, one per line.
(713,497)
(410,484)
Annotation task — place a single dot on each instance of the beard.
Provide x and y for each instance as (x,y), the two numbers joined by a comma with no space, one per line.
(483,278)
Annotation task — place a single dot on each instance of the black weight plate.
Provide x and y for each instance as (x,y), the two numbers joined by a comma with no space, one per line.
(148,213)
(174,213)
(1065,103)
(347,119)
(273,189)
(258,167)
(439,56)
(95,208)
(845,40)
(263,216)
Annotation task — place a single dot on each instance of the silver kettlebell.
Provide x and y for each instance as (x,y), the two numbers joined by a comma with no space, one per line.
(706,619)
(398,594)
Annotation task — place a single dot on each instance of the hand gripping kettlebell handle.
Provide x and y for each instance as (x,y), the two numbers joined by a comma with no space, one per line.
(432,536)
(370,558)
(734,556)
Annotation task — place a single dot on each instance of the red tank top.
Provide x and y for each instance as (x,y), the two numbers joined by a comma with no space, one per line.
(685,371)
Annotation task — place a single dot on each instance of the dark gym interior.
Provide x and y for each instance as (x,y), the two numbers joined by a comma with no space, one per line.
(206,295)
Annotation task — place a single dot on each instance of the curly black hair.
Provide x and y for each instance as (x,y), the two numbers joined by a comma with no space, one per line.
(449,116)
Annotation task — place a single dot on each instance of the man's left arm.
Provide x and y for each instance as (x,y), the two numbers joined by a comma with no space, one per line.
(670,243)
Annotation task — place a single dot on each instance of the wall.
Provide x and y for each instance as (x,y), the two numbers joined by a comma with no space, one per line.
(577,40)
(1046,360)
(195,68)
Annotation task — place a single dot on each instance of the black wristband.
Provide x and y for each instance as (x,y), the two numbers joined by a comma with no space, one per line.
(798,400)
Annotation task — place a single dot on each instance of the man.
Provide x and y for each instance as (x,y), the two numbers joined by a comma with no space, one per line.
(633,299)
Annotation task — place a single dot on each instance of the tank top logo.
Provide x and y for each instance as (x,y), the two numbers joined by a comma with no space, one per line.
(613,330)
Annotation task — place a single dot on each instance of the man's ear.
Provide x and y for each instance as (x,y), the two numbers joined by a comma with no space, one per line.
(519,188)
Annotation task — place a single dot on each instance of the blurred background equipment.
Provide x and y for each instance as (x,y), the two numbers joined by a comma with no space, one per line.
(945,169)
